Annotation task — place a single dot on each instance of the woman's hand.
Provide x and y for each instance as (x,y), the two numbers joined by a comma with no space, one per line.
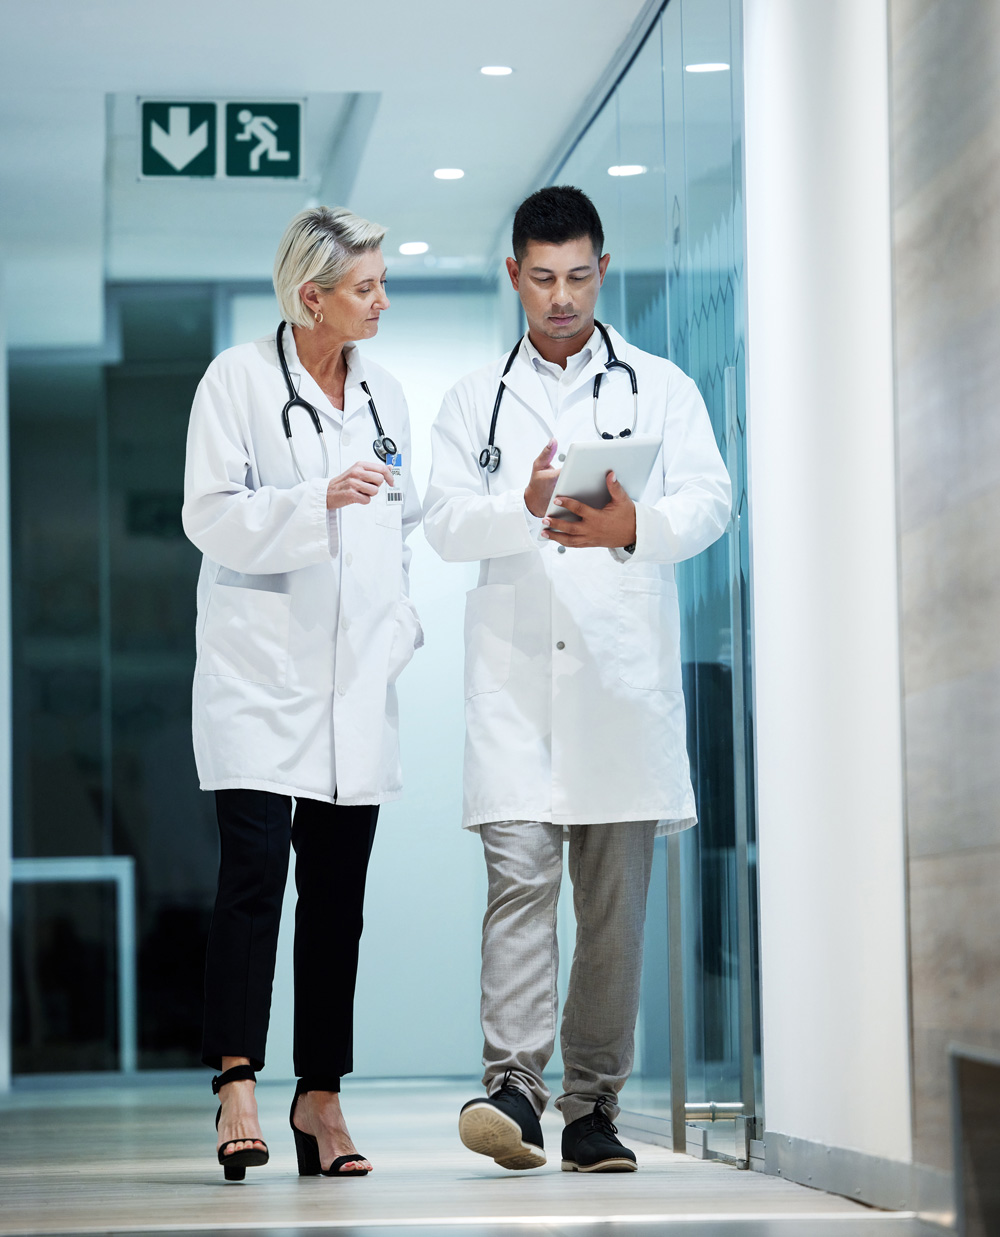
(358,485)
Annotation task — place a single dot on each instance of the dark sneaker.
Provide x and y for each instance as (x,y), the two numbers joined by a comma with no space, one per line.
(591,1145)
(505,1127)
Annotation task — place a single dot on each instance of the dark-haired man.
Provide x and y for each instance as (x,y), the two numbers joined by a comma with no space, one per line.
(574,711)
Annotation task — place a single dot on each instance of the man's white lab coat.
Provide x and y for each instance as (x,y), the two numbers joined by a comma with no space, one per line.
(574,709)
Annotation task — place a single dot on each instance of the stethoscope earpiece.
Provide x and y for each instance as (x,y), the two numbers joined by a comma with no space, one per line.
(489,457)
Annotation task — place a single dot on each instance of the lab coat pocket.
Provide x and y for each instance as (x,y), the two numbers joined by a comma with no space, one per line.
(246,635)
(407,637)
(389,507)
(489,634)
(649,656)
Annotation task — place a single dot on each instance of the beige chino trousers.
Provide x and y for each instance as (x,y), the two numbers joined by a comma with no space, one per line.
(609,866)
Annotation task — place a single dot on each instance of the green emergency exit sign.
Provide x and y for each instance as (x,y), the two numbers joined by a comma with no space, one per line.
(179,139)
(221,139)
(263,139)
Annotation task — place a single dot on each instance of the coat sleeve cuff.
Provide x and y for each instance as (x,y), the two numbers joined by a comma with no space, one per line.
(534,523)
(648,530)
(326,520)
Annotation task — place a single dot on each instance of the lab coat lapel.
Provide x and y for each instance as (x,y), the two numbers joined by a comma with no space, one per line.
(522,382)
(355,400)
(306,385)
(590,371)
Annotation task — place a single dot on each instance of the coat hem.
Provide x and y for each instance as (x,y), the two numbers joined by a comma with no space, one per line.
(665,822)
(297,792)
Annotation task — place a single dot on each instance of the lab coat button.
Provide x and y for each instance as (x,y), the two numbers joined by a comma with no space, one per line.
(348,558)
(344,624)
(562,459)
(345,439)
(561,644)
(562,549)
(341,690)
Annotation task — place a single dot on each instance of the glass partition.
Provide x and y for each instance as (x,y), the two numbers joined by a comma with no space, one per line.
(662,161)
(103,649)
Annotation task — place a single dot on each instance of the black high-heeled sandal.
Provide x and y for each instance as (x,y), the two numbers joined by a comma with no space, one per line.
(307,1146)
(235,1165)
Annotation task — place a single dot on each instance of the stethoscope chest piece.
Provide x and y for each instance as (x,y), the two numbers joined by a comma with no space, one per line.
(383,446)
(489,458)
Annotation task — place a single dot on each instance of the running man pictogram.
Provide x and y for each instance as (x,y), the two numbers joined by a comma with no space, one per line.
(265,131)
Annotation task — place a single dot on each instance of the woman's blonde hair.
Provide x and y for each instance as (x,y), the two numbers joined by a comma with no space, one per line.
(320,245)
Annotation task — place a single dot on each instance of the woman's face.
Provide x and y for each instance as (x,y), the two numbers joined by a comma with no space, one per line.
(351,310)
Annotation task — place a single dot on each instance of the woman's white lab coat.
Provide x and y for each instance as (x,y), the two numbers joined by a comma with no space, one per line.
(303,616)
(574,708)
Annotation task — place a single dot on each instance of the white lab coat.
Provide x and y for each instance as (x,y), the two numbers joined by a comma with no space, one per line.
(574,708)
(304,620)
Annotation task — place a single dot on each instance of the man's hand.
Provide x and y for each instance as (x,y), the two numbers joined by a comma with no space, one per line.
(538,495)
(358,485)
(612,526)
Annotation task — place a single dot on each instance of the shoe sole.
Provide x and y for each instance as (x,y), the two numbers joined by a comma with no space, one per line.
(616,1165)
(251,1158)
(484,1129)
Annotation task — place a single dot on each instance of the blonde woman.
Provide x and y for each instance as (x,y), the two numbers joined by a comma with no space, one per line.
(297,492)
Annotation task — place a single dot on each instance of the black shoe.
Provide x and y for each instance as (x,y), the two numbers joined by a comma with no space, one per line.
(504,1126)
(590,1145)
(307,1148)
(236,1163)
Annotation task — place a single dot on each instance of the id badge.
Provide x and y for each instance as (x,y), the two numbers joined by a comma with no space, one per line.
(390,510)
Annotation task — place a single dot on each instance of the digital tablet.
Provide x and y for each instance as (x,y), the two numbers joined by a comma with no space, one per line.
(584,474)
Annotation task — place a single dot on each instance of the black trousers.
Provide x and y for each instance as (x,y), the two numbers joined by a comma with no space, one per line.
(332,847)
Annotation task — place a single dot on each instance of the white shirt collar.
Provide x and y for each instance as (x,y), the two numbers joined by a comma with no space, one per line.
(574,364)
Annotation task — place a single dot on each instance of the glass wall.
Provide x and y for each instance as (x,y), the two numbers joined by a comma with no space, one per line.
(104,589)
(103,623)
(662,161)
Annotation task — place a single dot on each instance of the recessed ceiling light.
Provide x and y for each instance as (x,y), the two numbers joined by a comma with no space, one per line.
(449,173)
(627,169)
(706,68)
(496,70)
(409,247)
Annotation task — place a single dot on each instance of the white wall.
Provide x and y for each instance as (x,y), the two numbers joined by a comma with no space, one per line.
(417,1011)
(834,979)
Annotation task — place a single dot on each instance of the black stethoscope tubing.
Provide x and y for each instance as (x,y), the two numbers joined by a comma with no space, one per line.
(489,457)
(383,446)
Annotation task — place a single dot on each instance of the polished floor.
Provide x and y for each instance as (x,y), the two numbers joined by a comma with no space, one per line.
(140,1159)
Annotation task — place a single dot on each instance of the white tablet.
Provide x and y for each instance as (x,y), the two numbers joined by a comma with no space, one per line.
(584,474)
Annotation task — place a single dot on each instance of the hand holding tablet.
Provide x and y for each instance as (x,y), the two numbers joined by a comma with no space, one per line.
(584,475)
(593,502)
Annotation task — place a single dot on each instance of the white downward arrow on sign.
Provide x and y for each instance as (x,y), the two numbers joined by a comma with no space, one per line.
(177,144)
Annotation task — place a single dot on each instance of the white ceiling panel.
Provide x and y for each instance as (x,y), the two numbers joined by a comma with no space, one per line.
(63,185)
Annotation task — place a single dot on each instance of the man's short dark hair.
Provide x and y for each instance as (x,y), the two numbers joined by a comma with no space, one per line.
(556,215)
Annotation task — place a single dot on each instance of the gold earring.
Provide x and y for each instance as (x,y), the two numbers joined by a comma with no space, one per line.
(317,317)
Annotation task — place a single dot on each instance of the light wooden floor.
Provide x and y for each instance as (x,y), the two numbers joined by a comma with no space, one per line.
(141,1159)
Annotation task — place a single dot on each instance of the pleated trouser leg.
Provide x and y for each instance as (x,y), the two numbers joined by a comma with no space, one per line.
(332,848)
(254,832)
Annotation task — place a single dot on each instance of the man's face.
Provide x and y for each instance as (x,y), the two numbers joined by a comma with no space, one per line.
(558,286)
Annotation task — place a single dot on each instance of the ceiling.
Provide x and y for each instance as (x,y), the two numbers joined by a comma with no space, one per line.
(74,212)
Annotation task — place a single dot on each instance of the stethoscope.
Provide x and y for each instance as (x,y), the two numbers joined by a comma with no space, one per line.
(383,446)
(489,457)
